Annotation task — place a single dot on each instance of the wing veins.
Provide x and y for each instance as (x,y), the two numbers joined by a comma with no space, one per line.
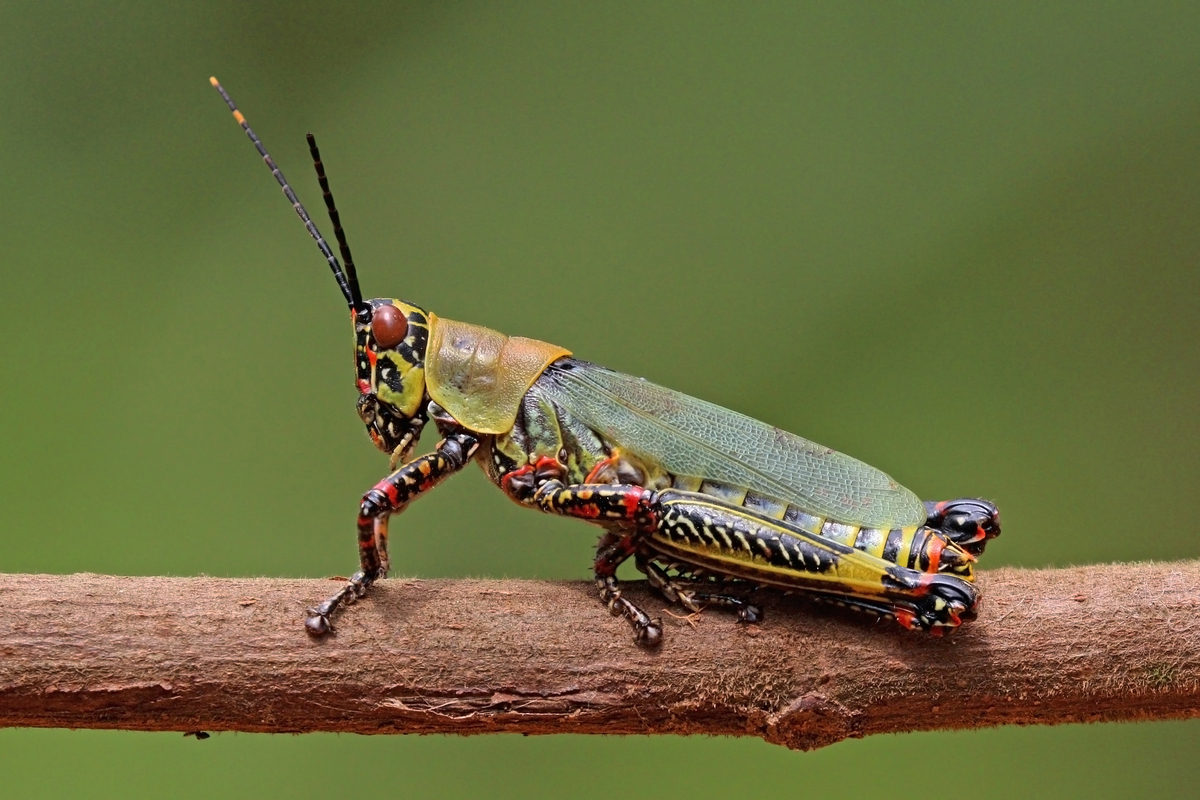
(860,494)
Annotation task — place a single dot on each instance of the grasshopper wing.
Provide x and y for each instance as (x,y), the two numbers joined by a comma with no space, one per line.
(694,438)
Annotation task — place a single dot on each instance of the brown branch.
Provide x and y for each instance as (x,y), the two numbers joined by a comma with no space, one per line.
(471,656)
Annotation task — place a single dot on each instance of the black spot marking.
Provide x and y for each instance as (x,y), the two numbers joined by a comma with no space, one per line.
(891,548)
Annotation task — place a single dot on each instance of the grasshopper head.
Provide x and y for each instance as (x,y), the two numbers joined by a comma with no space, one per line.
(390,337)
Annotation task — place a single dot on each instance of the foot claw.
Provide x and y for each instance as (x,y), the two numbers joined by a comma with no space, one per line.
(750,614)
(317,624)
(650,635)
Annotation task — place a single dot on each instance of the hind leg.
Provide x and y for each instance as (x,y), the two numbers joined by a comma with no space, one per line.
(695,599)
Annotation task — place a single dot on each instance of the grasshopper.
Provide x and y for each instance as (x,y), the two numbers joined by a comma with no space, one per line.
(710,504)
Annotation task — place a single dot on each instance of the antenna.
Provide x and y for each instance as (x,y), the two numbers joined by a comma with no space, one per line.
(353,297)
(334,217)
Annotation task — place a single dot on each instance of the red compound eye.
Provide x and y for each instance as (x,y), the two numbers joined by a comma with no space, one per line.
(389,326)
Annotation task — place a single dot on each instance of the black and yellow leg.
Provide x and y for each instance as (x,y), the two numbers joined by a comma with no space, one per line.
(390,496)
(706,533)
(630,510)
(599,502)
(693,598)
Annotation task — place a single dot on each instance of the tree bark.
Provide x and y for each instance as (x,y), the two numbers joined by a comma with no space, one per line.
(1111,642)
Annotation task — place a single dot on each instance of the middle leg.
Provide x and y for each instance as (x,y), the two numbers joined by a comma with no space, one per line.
(628,513)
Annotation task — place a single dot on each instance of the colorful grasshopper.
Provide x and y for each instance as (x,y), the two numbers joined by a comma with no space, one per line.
(704,499)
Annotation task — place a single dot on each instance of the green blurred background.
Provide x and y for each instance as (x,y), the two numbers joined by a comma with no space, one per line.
(958,242)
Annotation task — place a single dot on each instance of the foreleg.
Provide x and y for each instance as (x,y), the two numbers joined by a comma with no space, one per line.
(390,496)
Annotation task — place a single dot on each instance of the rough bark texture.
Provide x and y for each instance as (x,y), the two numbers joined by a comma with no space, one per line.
(473,656)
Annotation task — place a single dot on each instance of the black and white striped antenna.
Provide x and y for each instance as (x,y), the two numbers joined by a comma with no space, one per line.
(347,280)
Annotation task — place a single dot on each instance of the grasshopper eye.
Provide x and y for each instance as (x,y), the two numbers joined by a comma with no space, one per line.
(389,326)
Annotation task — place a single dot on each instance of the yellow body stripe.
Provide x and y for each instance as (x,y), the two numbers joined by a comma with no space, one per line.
(907,536)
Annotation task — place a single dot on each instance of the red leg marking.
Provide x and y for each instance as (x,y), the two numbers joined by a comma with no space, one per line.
(633,500)
(389,489)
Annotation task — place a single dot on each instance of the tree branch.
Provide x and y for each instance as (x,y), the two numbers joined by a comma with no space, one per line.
(1107,642)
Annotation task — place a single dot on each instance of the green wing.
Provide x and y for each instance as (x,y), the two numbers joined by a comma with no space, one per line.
(702,440)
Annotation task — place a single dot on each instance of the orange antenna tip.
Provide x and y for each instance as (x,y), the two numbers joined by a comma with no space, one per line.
(213,81)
